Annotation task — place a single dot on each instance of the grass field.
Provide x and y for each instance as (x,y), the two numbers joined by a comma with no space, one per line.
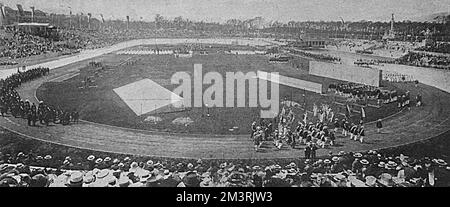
(100,104)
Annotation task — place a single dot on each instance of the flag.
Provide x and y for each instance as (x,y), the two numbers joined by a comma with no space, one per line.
(349,112)
(363,113)
(305,116)
(103,20)
(314,110)
(332,116)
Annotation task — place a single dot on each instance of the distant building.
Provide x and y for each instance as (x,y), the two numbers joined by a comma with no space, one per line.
(310,43)
(390,35)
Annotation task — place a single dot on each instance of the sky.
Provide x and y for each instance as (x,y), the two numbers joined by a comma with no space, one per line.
(222,10)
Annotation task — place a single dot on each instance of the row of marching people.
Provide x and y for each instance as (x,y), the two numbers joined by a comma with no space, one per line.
(292,133)
(11,102)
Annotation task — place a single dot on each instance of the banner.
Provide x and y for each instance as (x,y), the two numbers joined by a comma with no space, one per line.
(349,112)
(103,20)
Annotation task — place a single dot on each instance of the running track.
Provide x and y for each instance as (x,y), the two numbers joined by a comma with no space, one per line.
(405,127)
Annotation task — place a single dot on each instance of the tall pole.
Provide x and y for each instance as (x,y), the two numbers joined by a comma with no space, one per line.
(70,19)
(32,14)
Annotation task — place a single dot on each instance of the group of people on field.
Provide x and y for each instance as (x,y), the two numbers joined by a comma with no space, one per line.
(11,102)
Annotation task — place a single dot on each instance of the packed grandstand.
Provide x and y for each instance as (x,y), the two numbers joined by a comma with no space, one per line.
(321,128)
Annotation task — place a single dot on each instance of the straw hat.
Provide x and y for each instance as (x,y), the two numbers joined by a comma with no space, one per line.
(391,165)
(88,177)
(386,179)
(48,157)
(107,159)
(149,162)
(76,179)
(91,157)
(357,155)
(440,162)
(99,160)
(102,173)
(335,159)
(364,162)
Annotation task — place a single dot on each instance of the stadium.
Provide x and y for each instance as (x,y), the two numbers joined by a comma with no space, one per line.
(111,109)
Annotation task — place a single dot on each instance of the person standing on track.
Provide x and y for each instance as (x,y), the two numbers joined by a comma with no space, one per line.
(379,126)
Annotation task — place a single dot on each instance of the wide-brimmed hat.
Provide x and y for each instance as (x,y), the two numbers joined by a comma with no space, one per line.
(292,165)
(88,177)
(190,166)
(340,153)
(167,174)
(76,179)
(48,157)
(91,157)
(391,165)
(115,161)
(149,163)
(386,179)
(107,159)
(382,164)
(256,167)
(364,162)
(126,159)
(327,161)
(102,173)
(236,178)
(335,159)
(133,166)
(98,160)
(440,162)
(143,175)
(292,171)
(357,155)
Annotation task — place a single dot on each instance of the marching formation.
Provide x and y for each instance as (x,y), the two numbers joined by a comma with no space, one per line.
(11,102)
(321,134)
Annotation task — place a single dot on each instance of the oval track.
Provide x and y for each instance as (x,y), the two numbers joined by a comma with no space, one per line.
(406,127)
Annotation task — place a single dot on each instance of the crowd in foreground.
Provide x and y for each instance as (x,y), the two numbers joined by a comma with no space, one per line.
(11,102)
(368,169)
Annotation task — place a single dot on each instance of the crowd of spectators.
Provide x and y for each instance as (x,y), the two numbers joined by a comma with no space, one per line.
(425,60)
(20,44)
(366,169)
(443,47)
